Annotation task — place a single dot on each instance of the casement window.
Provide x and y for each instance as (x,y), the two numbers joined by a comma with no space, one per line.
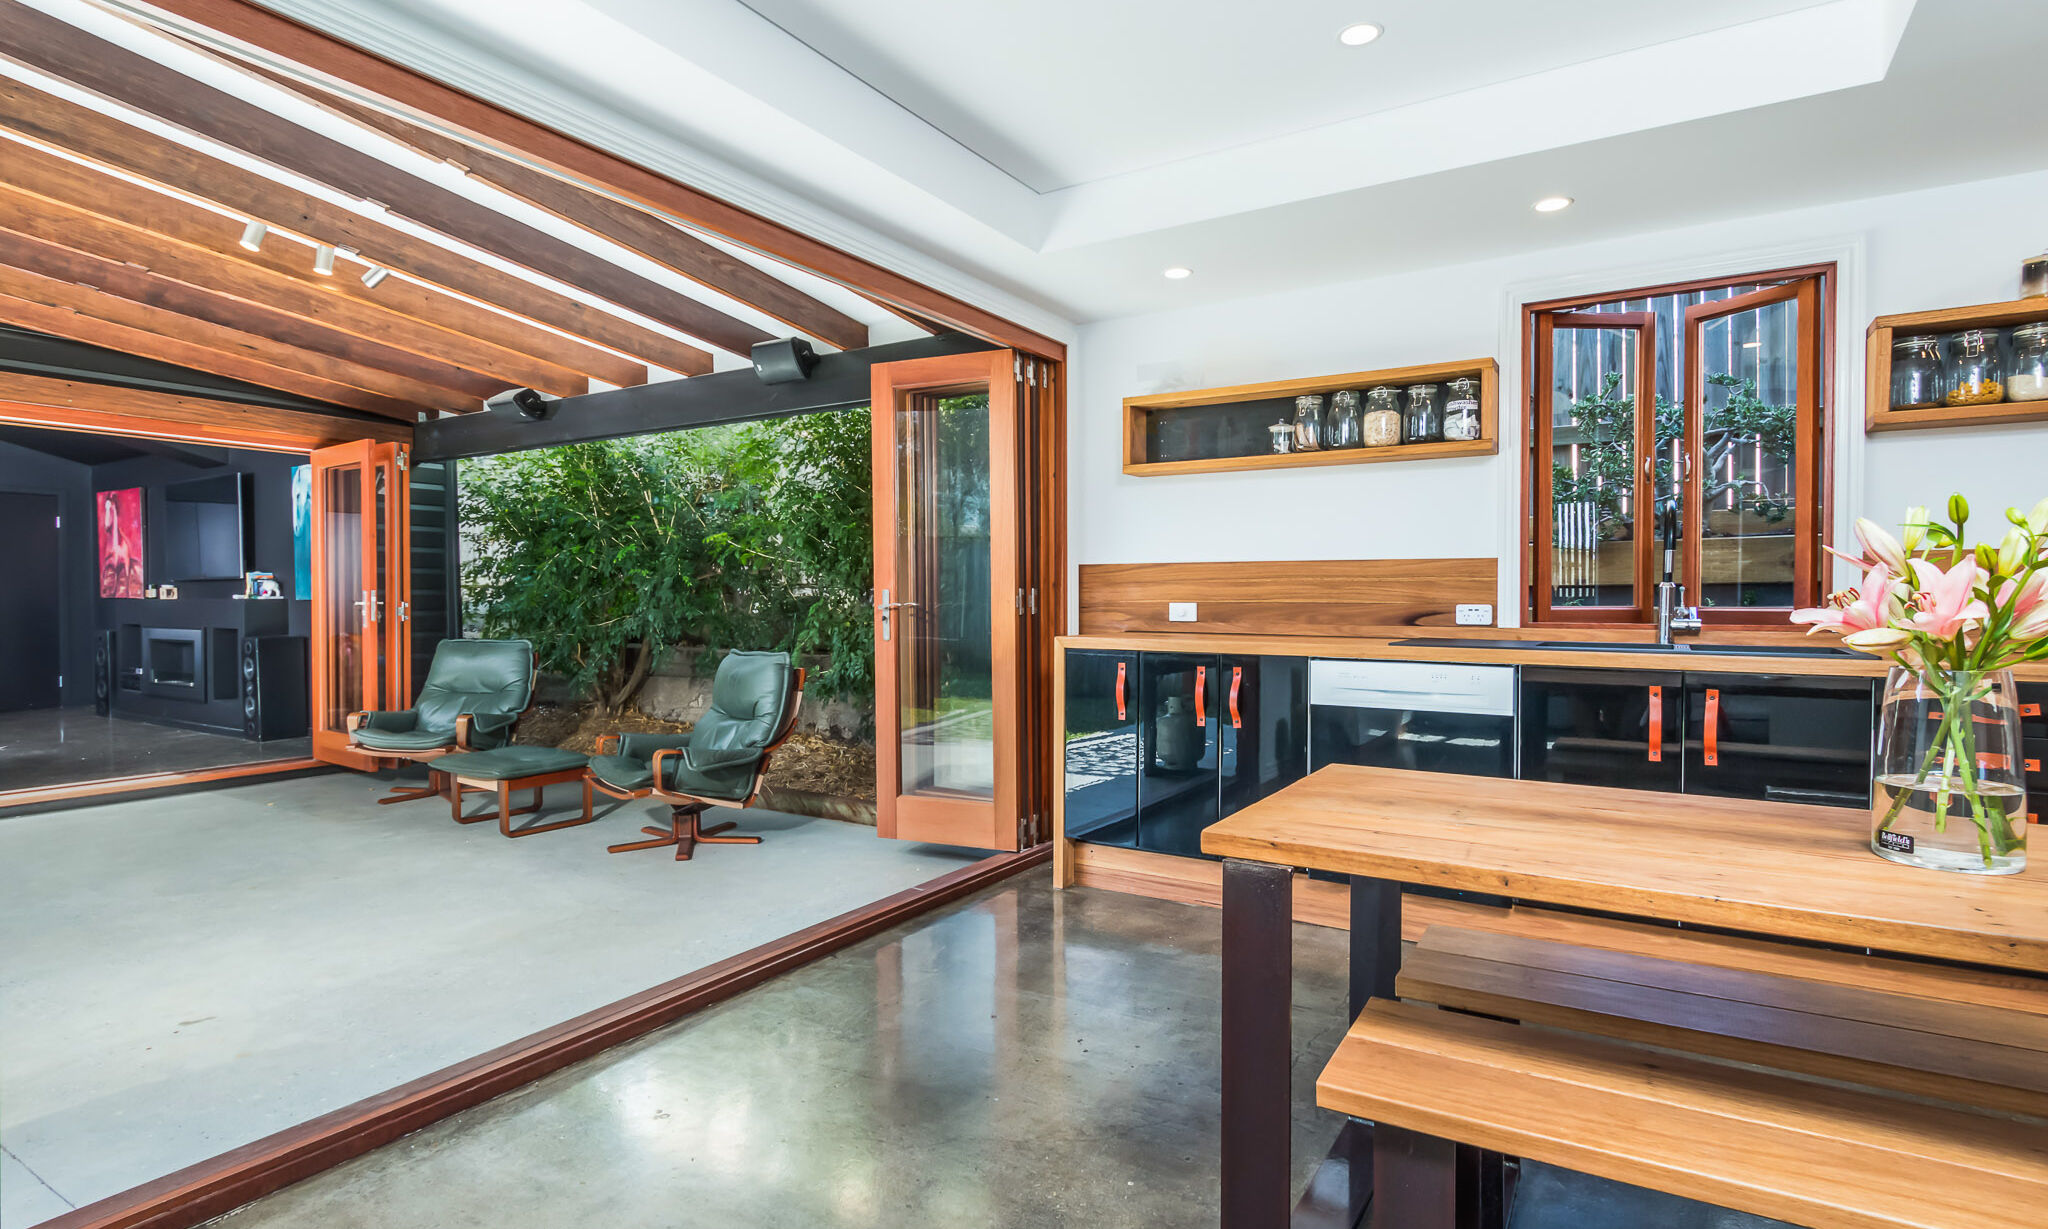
(1690,414)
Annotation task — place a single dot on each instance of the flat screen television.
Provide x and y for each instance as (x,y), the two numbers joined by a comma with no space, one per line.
(206,529)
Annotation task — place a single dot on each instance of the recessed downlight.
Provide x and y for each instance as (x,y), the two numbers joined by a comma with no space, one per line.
(1551,204)
(1178,272)
(1359,35)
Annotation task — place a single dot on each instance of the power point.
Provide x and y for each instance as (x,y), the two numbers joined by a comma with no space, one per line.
(1180,612)
(1475,614)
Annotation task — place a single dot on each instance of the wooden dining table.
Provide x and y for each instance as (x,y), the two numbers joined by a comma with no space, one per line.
(1777,870)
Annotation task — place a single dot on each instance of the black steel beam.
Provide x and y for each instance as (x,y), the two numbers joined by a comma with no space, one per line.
(840,381)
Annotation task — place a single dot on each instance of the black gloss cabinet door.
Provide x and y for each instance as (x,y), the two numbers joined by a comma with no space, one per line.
(1179,749)
(1101,753)
(1779,738)
(1619,728)
(1263,727)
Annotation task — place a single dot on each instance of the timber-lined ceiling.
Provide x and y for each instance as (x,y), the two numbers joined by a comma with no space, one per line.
(113,235)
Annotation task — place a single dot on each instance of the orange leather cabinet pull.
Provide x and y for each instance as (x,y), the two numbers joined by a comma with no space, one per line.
(1120,668)
(2033,765)
(2030,710)
(1712,734)
(1656,725)
(1201,695)
(1236,678)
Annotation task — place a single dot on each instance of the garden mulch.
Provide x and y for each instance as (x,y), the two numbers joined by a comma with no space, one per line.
(809,763)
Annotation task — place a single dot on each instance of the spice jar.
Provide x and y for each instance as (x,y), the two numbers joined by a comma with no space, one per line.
(1916,373)
(1382,418)
(1343,429)
(1461,412)
(1283,436)
(2028,380)
(1975,375)
(1308,422)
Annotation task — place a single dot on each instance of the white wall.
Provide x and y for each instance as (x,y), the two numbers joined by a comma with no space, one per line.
(1938,248)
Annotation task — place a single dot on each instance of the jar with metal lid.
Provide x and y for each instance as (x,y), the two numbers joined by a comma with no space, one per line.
(1461,412)
(1382,417)
(1975,374)
(1343,428)
(1917,382)
(2034,277)
(1283,436)
(1423,421)
(1308,422)
(2028,378)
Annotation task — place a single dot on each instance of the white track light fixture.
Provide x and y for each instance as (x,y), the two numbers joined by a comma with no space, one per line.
(375,274)
(323,260)
(252,236)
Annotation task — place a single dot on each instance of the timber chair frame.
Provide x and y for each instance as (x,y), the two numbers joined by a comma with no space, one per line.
(437,785)
(686,829)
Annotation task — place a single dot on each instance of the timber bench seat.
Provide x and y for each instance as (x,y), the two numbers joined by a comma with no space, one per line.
(1974,1054)
(1824,1155)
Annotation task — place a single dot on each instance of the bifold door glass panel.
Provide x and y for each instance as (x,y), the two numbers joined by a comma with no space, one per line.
(943,551)
(343,593)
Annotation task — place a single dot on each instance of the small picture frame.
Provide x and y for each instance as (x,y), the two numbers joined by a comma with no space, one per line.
(167,592)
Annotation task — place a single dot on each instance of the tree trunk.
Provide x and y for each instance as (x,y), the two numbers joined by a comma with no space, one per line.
(643,661)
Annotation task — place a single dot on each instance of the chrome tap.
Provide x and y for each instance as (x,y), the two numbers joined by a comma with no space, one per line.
(1673,618)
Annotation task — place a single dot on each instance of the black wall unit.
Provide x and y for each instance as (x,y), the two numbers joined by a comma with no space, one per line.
(273,686)
(1621,728)
(1779,738)
(156,644)
(31,602)
(436,612)
(1101,747)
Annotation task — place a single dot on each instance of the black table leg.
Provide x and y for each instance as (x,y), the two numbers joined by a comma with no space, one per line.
(1375,940)
(1415,1180)
(1258,1046)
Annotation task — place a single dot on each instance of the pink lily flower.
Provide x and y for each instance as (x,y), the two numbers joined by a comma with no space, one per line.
(1948,603)
(2029,607)
(1865,609)
(1879,546)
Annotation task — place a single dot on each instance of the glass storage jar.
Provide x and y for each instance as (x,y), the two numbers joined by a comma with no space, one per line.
(1975,376)
(1343,429)
(1423,422)
(1283,436)
(2034,277)
(1382,417)
(1916,373)
(1461,412)
(1308,422)
(2028,379)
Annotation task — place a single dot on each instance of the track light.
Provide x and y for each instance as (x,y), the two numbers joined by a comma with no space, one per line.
(323,260)
(375,274)
(252,236)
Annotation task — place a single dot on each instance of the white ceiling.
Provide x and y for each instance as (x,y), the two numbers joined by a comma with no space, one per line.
(1050,158)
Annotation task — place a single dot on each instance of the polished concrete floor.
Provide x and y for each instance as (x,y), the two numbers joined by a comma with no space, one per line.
(182,975)
(1028,1059)
(60,746)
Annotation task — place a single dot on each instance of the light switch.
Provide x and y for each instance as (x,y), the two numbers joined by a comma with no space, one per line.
(1180,612)
(1475,614)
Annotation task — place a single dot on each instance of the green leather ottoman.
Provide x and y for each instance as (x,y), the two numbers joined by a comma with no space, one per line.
(505,769)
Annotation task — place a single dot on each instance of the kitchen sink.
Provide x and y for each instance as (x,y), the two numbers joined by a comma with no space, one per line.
(1609,646)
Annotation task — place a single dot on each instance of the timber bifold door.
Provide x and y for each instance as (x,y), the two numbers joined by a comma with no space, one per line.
(955,610)
(361,633)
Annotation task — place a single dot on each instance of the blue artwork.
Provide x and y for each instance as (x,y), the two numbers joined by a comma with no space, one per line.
(302,531)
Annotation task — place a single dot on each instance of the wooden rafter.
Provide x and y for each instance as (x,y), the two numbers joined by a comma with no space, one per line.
(635,229)
(80,186)
(40,401)
(457,390)
(291,293)
(257,28)
(107,142)
(52,45)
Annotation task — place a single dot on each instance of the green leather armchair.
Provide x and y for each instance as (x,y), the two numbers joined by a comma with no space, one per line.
(475,692)
(755,699)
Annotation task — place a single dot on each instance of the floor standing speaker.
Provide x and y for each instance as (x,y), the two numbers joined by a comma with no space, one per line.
(274,679)
(103,673)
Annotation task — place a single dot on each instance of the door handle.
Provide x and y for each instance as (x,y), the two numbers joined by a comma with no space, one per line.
(1236,679)
(1711,736)
(1201,695)
(883,608)
(1121,667)
(1656,725)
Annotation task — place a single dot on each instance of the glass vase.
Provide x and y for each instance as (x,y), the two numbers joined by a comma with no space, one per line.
(1950,790)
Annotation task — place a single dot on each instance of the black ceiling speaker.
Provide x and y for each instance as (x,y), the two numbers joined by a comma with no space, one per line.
(784,361)
(530,403)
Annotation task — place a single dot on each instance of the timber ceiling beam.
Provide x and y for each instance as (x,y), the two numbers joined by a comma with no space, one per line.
(520,345)
(54,46)
(632,228)
(137,285)
(41,401)
(293,294)
(107,142)
(257,28)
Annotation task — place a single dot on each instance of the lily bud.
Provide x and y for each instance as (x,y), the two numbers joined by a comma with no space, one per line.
(1958,509)
(2012,551)
(1987,557)
(1880,545)
(1878,639)
(1915,529)
(2037,520)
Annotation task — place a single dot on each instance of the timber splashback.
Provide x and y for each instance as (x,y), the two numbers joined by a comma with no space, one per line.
(1294,598)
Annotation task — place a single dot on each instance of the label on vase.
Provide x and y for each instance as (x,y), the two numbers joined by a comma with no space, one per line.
(1897,842)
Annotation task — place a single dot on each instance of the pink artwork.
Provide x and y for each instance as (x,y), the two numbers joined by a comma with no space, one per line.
(120,517)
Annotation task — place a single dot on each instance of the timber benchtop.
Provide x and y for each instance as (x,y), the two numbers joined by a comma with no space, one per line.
(1803,872)
(1385,648)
